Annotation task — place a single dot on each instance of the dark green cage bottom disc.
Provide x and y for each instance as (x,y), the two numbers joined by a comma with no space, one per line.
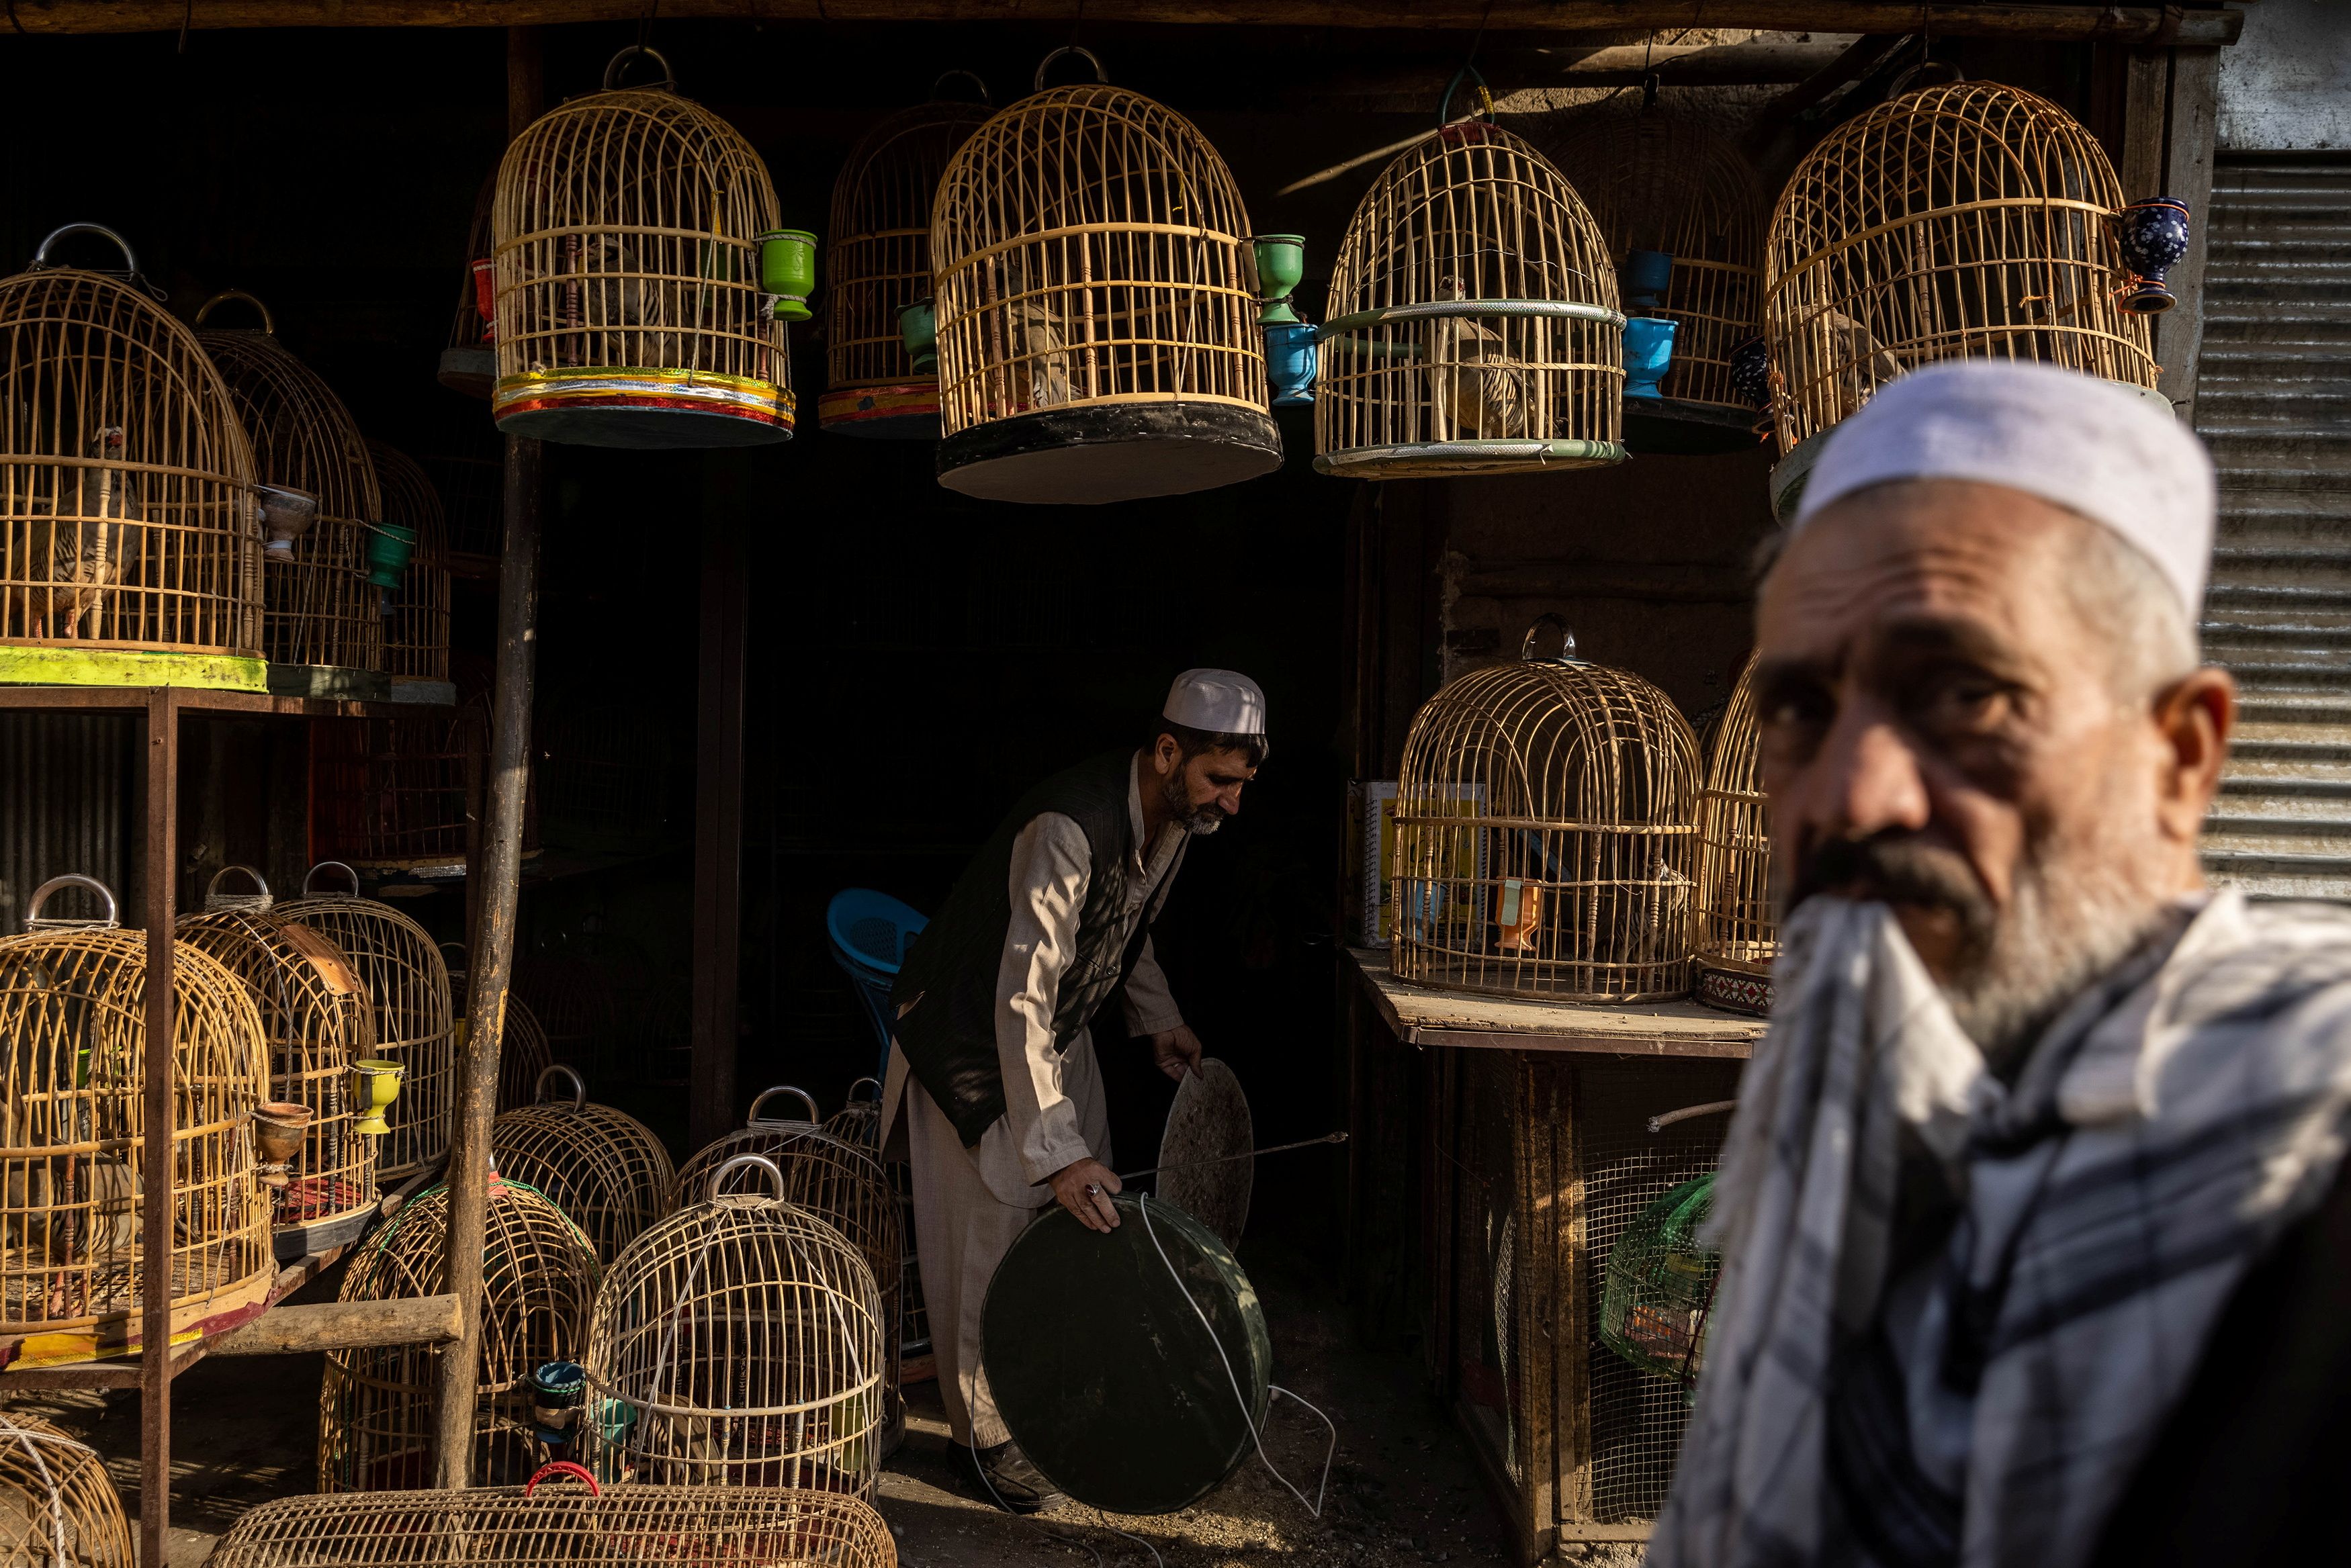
(1104,1374)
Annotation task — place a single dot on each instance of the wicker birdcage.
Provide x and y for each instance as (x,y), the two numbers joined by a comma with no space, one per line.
(473,502)
(1473,320)
(737,1343)
(859,1122)
(470,363)
(416,613)
(376,1407)
(1737,933)
(318,606)
(126,479)
(1967,221)
(1097,306)
(73,1028)
(58,1508)
(314,1017)
(546,1525)
(877,263)
(627,235)
(604,1168)
(1545,835)
(409,1008)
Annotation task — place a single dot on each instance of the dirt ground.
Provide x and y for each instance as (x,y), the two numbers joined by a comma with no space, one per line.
(1403,1489)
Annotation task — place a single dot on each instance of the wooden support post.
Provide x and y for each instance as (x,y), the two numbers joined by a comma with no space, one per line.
(2191,128)
(159,874)
(718,798)
(345,1325)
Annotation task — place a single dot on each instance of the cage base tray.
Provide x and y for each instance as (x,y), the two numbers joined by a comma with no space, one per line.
(1462,459)
(334,682)
(471,372)
(1109,452)
(44,664)
(638,428)
(433,693)
(1680,428)
(881,414)
(1735,991)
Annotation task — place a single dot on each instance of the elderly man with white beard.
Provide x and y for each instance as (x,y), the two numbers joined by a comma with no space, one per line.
(2035,1248)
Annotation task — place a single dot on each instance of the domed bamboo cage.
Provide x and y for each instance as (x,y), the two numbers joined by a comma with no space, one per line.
(73,1028)
(550,1524)
(1737,934)
(877,262)
(58,1508)
(410,1009)
(604,1168)
(539,1279)
(1097,306)
(416,613)
(126,479)
(473,502)
(738,1343)
(1664,185)
(859,1122)
(314,1017)
(1473,320)
(626,234)
(469,364)
(523,1053)
(318,606)
(1966,221)
(1546,830)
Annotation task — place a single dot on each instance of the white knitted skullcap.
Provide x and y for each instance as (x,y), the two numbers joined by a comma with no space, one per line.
(1221,701)
(2115,454)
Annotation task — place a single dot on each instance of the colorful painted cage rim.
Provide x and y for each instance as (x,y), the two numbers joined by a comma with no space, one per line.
(844,405)
(700,391)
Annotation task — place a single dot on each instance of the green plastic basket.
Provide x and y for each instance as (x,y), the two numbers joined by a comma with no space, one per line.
(1659,1285)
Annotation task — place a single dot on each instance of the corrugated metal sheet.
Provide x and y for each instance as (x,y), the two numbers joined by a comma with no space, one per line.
(2273,399)
(65,796)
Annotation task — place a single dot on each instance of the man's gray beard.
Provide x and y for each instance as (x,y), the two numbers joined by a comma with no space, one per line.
(1200,819)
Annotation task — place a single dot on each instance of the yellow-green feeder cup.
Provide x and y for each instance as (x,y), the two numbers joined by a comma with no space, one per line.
(374,1085)
(787,270)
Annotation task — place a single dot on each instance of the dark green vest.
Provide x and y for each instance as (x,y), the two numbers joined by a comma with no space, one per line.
(950,977)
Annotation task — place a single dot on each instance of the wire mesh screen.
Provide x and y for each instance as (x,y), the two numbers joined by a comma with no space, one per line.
(1964,222)
(878,250)
(416,613)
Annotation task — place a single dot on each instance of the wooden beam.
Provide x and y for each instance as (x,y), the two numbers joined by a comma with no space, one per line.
(2055,24)
(159,870)
(345,1325)
(718,798)
(1852,62)
(2188,174)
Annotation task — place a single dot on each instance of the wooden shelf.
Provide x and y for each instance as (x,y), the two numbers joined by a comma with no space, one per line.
(195,699)
(1421,1015)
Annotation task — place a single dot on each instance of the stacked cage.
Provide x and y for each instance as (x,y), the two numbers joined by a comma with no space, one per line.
(399,794)
(416,613)
(58,1508)
(1737,933)
(602,1167)
(469,364)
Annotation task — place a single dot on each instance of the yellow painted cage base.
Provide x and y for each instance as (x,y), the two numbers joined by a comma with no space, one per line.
(23,665)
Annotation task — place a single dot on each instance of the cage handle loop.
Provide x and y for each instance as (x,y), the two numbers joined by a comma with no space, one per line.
(260,884)
(564,1468)
(1485,96)
(613,70)
(465,955)
(862,1083)
(1566,639)
(775,1173)
(313,874)
(268,322)
(1101,76)
(70,879)
(766,1095)
(986,97)
(129,262)
(562,1069)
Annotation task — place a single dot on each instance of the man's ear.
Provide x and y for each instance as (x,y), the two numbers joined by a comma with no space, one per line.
(1166,756)
(2194,716)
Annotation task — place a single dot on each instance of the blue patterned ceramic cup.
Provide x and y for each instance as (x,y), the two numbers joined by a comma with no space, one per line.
(2154,234)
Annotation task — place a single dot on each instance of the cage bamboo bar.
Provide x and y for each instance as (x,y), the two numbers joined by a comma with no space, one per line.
(629,310)
(1473,325)
(1545,835)
(602,1167)
(1096,309)
(469,364)
(416,613)
(1969,221)
(58,1508)
(1737,933)
(126,478)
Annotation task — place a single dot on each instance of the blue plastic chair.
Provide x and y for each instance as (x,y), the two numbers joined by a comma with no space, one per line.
(872,934)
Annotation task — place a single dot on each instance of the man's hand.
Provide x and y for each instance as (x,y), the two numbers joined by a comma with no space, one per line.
(1084,1188)
(1177,1052)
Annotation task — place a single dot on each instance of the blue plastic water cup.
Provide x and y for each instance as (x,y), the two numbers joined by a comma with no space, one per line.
(1648,353)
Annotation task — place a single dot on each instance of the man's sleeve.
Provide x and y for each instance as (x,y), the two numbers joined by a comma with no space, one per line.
(1050,867)
(1150,1008)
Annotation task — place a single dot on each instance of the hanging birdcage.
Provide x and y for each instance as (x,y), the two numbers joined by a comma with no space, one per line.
(1738,933)
(1473,321)
(737,1343)
(409,1008)
(859,1122)
(58,1508)
(314,1018)
(878,264)
(73,1028)
(1096,314)
(126,485)
(604,1168)
(1545,833)
(470,363)
(1967,221)
(1660,1285)
(416,610)
(376,1408)
(629,234)
(473,502)
(319,607)
(1683,214)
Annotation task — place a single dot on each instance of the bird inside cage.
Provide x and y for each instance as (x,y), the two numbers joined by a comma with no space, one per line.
(84,541)
(1477,389)
(1854,358)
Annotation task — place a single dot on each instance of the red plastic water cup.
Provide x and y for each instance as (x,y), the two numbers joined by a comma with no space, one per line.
(485,297)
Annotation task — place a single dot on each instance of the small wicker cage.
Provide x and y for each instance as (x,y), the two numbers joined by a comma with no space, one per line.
(409,1007)
(738,1343)
(627,234)
(318,606)
(416,613)
(58,1508)
(1546,827)
(73,1028)
(604,1168)
(1097,310)
(1660,1283)
(1967,221)
(314,1016)
(1473,322)
(154,549)
(1737,934)
(539,1279)
(543,1525)
(470,363)
(877,263)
